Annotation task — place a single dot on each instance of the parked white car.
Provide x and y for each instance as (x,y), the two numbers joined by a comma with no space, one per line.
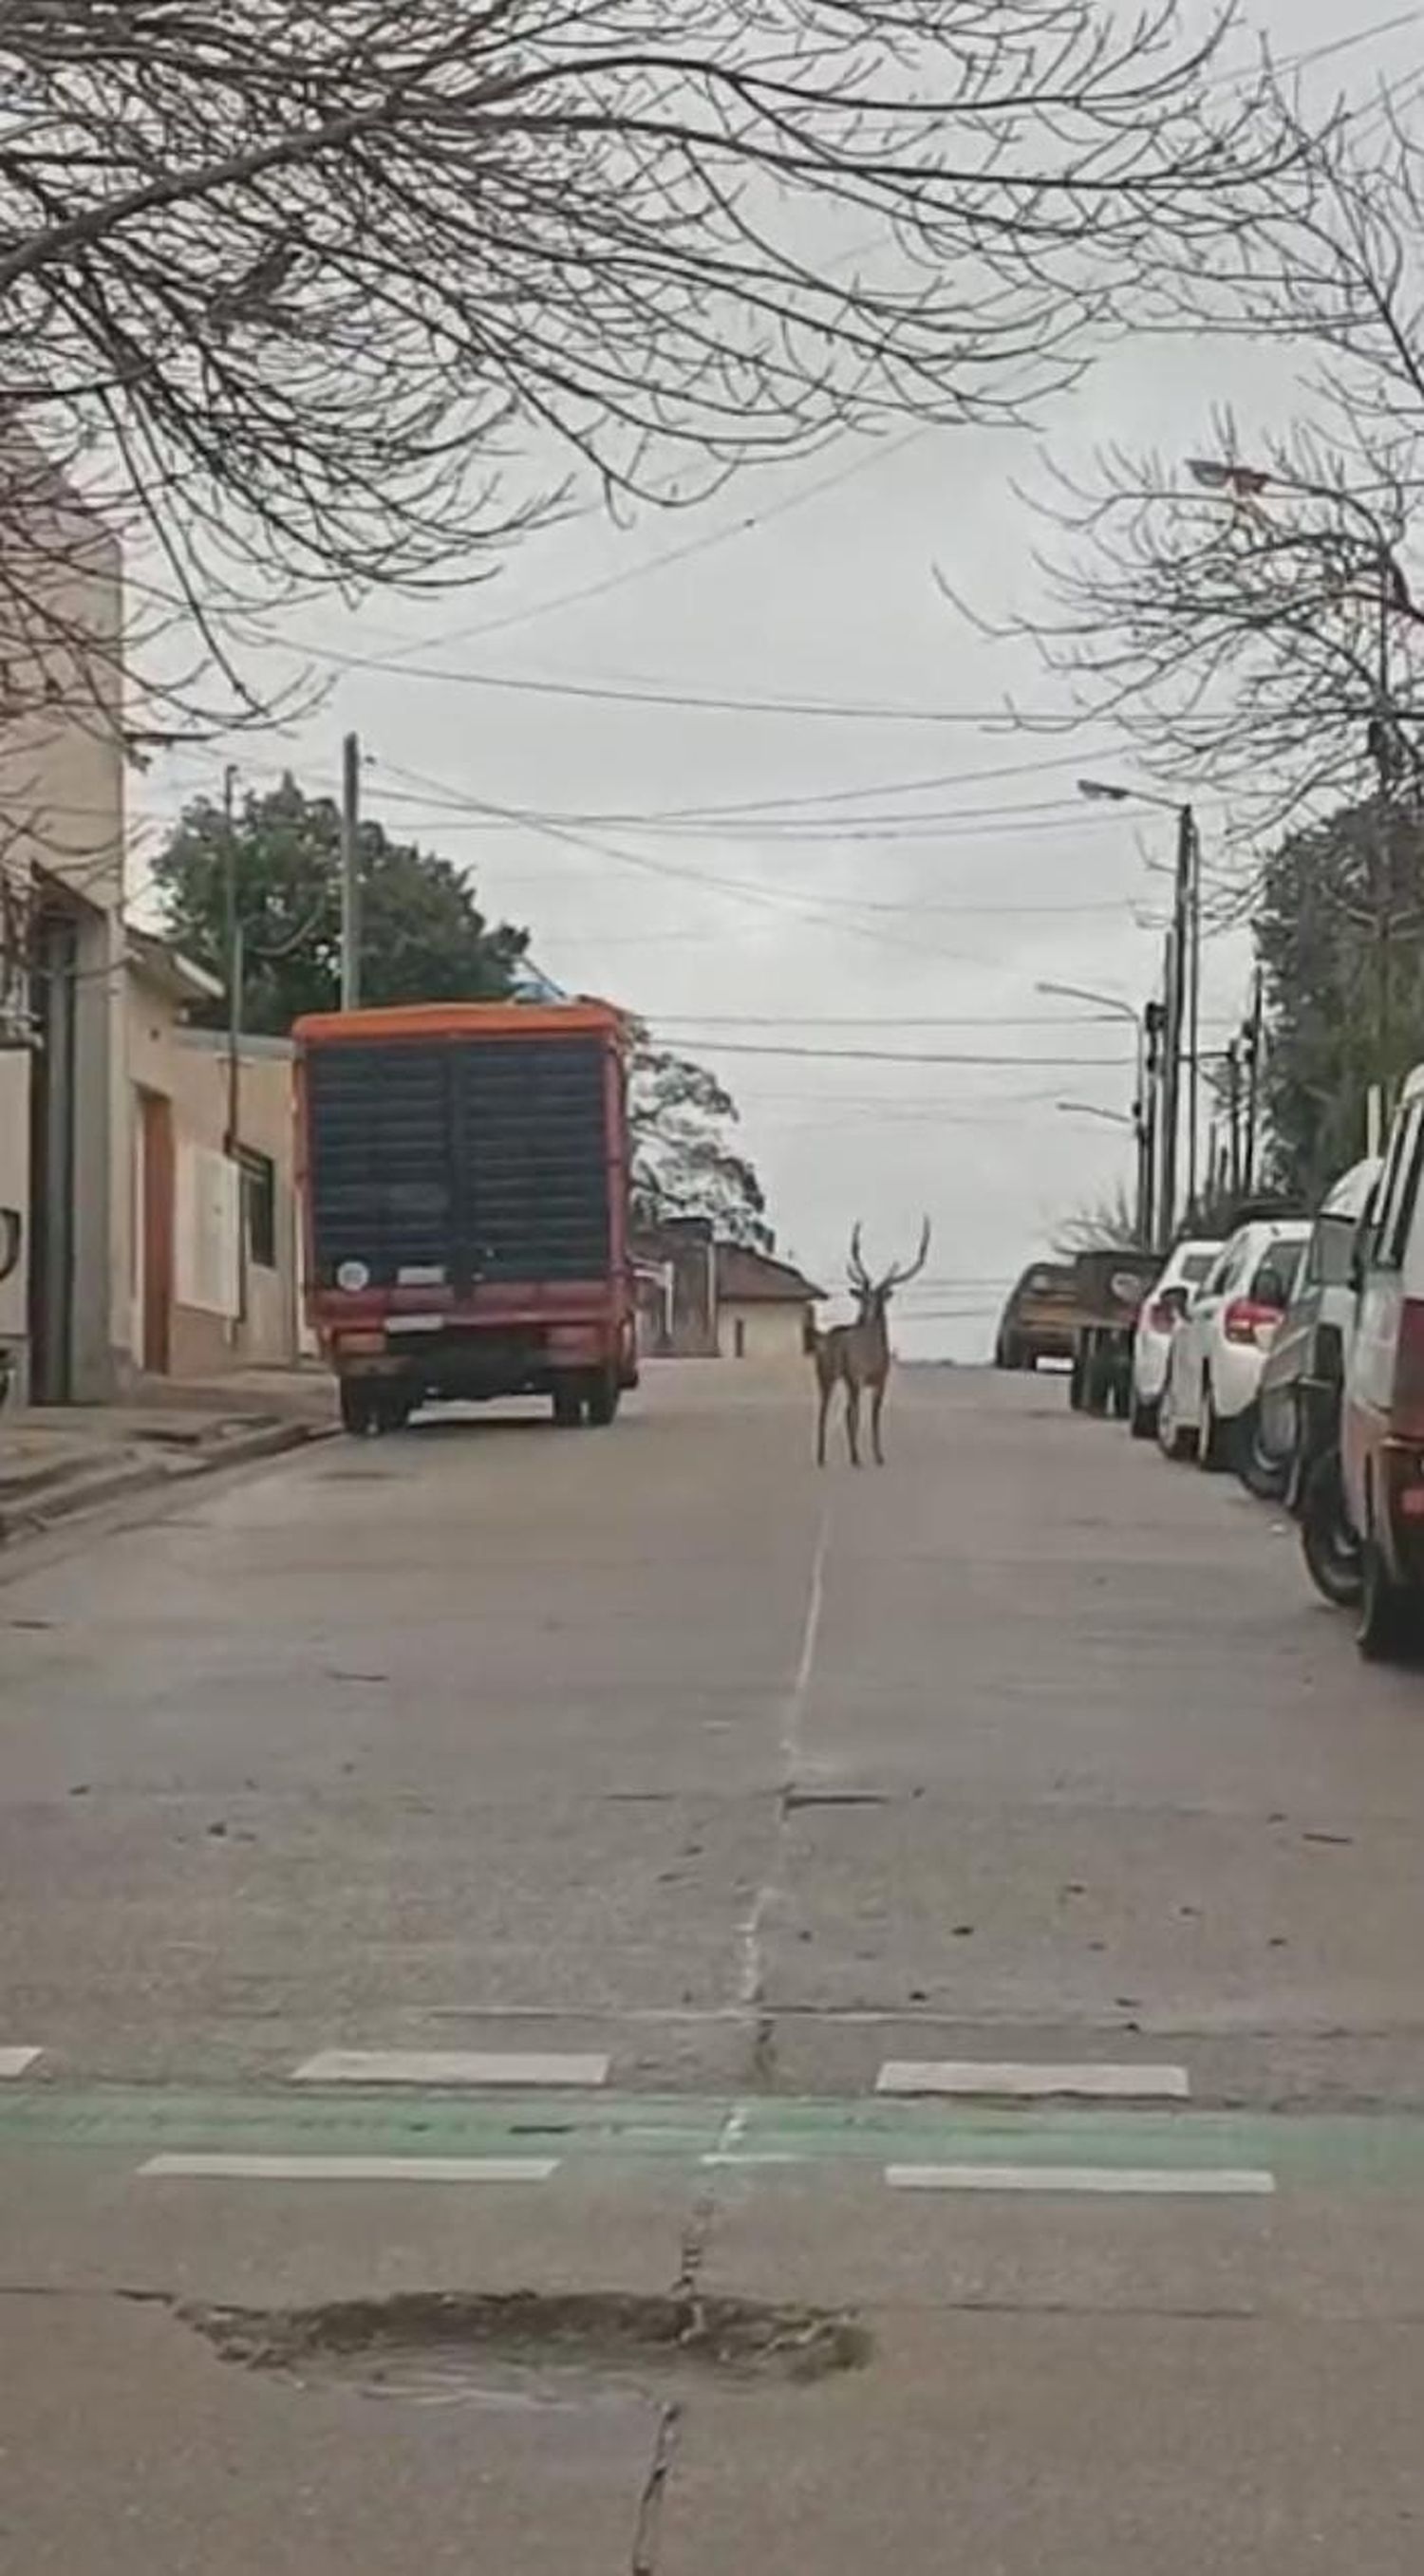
(1219,1347)
(1184,1271)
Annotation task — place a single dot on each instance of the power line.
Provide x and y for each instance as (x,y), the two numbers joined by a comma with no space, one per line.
(606,693)
(600,586)
(877,1055)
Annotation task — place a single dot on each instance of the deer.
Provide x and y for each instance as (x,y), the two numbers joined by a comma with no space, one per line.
(857,1356)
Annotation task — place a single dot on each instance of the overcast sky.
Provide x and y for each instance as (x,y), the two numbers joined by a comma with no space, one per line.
(932,937)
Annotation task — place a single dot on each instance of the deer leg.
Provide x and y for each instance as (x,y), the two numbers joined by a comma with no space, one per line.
(877,1407)
(825,1406)
(852,1417)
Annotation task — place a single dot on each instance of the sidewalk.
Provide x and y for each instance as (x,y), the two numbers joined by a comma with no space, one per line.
(59,1460)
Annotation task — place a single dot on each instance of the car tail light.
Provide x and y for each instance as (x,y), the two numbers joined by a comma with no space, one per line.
(1246,1319)
(1407,1395)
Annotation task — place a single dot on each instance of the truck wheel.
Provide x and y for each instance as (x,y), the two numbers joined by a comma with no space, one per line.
(1389,1628)
(358,1407)
(603,1400)
(568,1407)
(395,1408)
(1142,1420)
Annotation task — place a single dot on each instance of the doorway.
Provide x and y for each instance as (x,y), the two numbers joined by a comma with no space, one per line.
(155,1133)
(51,1278)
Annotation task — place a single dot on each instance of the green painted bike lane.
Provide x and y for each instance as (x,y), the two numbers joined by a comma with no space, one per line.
(1337,2149)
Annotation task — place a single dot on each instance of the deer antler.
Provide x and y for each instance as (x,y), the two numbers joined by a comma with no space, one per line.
(895,1277)
(856,1269)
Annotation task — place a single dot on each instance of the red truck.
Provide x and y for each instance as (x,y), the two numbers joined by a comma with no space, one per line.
(464,1179)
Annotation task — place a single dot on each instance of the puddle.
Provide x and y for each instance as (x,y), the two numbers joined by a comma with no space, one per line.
(526,2346)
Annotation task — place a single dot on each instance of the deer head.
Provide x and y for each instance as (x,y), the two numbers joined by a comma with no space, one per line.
(872,1296)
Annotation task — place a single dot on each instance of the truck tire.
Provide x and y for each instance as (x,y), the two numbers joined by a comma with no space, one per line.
(1388,1629)
(602,1399)
(568,1406)
(357,1398)
(1142,1421)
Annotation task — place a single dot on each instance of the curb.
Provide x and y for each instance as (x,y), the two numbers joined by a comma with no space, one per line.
(105,1485)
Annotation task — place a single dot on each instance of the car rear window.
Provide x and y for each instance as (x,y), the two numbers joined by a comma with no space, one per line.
(1195,1267)
(1284,1258)
(1332,1251)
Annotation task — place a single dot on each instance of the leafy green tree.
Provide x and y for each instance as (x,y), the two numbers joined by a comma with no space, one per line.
(1338,930)
(683,1164)
(423,936)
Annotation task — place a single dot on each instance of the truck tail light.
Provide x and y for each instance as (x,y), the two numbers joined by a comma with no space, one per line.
(1407,1394)
(361,1346)
(1247,1320)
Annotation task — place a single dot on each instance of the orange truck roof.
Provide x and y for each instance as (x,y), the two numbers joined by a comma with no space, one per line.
(461,1019)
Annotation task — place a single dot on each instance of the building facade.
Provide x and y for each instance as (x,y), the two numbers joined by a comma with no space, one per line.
(64,1144)
(215,1273)
(765,1308)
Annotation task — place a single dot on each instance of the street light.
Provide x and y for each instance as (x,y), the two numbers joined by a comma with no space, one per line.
(1091,1109)
(1183,985)
(1100,1001)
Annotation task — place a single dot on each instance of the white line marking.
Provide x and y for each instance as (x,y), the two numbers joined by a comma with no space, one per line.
(1149,2181)
(352,2168)
(754,2156)
(1028,2082)
(450,2066)
(17,2061)
(751,1977)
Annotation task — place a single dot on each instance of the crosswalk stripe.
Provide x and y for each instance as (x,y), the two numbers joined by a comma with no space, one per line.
(1148,2181)
(1025,2081)
(539,2071)
(221,2168)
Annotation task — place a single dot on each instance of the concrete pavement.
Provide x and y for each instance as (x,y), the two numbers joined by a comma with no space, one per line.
(653,1750)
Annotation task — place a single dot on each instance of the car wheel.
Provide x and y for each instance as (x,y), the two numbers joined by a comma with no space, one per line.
(1261,1474)
(568,1406)
(1389,1626)
(1212,1436)
(1328,1544)
(1174,1439)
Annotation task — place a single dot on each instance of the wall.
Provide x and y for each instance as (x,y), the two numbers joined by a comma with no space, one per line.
(189,1068)
(62,777)
(772,1332)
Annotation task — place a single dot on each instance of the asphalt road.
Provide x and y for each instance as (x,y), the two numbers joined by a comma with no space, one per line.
(604,2002)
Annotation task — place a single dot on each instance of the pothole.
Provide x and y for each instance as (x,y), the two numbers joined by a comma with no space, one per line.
(524,2343)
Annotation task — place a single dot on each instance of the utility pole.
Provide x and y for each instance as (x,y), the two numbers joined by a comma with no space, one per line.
(233,953)
(1233,1118)
(350,874)
(1189,863)
(1149,1121)
(1178,947)
(1253,1040)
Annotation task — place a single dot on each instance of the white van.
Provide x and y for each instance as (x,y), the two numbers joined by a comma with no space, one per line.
(1382,1415)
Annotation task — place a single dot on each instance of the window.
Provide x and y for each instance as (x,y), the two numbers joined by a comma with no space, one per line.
(259,1207)
(1399,1191)
(1282,1261)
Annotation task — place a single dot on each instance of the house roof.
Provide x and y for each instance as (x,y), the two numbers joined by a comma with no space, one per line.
(753,1279)
(180,979)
